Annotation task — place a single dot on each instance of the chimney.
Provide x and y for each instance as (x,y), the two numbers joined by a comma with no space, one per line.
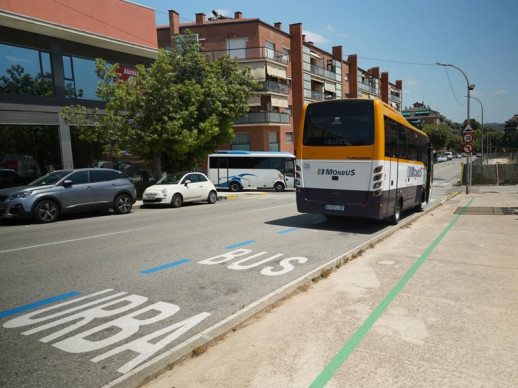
(200,18)
(174,23)
(303,38)
(238,15)
(278,25)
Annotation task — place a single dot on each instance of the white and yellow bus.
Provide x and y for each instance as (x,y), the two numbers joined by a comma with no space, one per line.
(360,158)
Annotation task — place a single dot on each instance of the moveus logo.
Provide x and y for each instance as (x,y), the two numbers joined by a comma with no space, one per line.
(330,171)
(413,172)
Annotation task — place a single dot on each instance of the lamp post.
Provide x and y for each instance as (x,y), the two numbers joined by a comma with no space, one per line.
(470,88)
(481,131)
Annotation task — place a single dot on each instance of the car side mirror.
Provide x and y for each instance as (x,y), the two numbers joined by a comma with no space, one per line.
(67,183)
(187,182)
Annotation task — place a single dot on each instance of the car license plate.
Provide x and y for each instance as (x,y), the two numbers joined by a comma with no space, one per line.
(150,196)
(334,207)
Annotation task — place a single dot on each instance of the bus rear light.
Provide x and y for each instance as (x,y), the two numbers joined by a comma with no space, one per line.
(297,167)
(377,193)
(297,175)
(378,177)
(378,169)
(377,185)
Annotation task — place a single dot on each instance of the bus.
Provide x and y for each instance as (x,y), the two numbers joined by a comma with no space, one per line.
(360,158)
(237,170)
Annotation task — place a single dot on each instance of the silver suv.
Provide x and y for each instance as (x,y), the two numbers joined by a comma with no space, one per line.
(66,191)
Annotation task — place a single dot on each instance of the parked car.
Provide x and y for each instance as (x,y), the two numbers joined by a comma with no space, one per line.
(10,178)
(66,191)
(177,188)
(449,155)
(441,158)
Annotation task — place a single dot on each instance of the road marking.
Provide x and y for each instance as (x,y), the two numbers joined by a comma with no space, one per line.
(356,338)
(287,231)
(161,267)
(34,305)
(75,239)
(240,244)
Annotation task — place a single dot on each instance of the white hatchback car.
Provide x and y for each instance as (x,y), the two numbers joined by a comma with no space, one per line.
(177,188)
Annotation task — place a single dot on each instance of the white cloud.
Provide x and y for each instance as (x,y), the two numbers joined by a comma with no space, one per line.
(315,38)
(501,92)
(410,83)
(329,27)
(225,12)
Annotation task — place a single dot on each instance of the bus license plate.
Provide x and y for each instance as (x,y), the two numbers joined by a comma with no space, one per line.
(334,207)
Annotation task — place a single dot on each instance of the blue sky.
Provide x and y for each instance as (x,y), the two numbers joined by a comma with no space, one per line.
(404,38)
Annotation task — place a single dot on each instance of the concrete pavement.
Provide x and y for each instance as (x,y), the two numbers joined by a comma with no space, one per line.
(435,304)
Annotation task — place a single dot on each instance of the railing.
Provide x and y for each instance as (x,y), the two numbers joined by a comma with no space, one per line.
(272,86)
(323,72)
(250,53)
(367,88)
(264,117)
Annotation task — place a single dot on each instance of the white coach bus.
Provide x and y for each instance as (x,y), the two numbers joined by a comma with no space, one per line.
(237,170)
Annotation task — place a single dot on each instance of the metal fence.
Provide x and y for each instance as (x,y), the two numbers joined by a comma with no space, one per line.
(492,174)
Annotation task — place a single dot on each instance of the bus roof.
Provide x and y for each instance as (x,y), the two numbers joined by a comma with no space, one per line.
(254,153)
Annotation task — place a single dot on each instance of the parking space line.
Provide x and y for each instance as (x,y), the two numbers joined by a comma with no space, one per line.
(161,267)
(40,303)
(240,244)
(287,231)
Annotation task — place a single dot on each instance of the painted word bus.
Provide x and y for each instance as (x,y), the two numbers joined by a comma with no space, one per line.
(360,158)
(237,170)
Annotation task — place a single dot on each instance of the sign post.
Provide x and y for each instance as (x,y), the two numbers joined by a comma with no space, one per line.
(467,137)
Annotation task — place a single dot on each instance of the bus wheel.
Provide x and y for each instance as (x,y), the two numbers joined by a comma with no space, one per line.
(278,186)
(394,220)
(234,186)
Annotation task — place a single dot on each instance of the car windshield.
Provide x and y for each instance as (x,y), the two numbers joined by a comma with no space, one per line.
(171,179)
(50,178)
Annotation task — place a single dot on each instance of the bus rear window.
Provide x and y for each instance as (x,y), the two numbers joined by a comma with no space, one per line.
(339,123)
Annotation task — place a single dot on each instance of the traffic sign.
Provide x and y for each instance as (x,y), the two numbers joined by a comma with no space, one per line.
(468,129)
(467,137)
(468,148)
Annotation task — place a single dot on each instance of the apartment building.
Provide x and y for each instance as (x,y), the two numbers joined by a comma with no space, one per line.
(420,115)
(48,52)
(291,70)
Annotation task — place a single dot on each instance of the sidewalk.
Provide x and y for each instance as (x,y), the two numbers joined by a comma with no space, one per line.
(435,304)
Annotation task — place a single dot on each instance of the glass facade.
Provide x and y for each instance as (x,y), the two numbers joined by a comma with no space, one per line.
(80,78)
(25,71)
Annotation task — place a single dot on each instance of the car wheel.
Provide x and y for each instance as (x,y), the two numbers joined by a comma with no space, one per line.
(46,211)
(278,186)
(177,200)
(122,204)
(213,197)
(234,186)
(394,220)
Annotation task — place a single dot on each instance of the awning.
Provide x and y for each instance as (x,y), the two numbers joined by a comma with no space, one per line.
(276,70)
(258,70)
(279,102)
(254,101)
(330,86)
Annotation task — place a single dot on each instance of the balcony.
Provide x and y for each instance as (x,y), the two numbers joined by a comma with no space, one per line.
(251,54)
(323,72)
(368,88)
(276,87)
(264,118)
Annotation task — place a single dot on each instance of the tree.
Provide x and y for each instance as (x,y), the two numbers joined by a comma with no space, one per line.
(439,135)
(178,110)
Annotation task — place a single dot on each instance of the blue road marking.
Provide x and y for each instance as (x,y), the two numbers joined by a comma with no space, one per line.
(34,305)
(151,270)
(240,244)
(287,231)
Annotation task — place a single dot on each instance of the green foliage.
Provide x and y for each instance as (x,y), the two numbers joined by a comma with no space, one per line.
(176,111)
(439,135)
(18,82)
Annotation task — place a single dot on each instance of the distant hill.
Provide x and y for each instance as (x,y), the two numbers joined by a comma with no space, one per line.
(495,126)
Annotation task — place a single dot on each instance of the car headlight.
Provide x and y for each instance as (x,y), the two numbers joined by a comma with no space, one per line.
(21,194)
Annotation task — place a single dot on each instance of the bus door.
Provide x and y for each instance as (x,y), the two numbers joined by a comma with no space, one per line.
(222,174)
(391,169)
(289,173)
(429,175)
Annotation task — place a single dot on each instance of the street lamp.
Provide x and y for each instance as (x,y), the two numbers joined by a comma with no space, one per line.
(470,88)
(482,131)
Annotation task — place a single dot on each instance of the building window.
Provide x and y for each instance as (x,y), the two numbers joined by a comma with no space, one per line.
(270,49)
(80,78)
(273,141)
(241,141)
(289,137)
(25,71)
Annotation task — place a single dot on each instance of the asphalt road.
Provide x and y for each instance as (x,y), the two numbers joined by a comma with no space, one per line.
(91,300)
